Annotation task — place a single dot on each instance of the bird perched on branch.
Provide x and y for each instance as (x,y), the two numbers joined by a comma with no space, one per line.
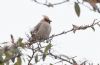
(41,31)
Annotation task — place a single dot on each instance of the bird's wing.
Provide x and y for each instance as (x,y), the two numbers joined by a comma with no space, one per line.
(36,28)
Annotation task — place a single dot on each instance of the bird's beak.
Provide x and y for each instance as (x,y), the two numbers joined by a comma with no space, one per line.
(50,20)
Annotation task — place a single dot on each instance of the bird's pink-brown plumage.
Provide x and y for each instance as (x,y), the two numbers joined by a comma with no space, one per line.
(41,31)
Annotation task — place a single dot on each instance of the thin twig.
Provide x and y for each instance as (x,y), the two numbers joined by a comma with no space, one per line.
(75,28)
(31,56)
(50,4)
(55,56)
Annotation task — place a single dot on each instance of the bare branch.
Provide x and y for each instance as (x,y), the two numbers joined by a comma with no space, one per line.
(58,57)
(50,4)
(75,28)
(31,56)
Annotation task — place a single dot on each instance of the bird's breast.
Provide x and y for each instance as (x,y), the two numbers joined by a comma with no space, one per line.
(44,30)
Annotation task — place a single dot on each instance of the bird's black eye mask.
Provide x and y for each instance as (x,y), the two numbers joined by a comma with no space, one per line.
(47,20)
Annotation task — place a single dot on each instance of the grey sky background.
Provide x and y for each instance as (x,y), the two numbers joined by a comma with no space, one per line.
(18,17)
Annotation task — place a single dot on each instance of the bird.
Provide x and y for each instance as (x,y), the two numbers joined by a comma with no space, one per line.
(41,31)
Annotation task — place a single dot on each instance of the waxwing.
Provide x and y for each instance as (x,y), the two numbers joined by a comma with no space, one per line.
(41,31)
